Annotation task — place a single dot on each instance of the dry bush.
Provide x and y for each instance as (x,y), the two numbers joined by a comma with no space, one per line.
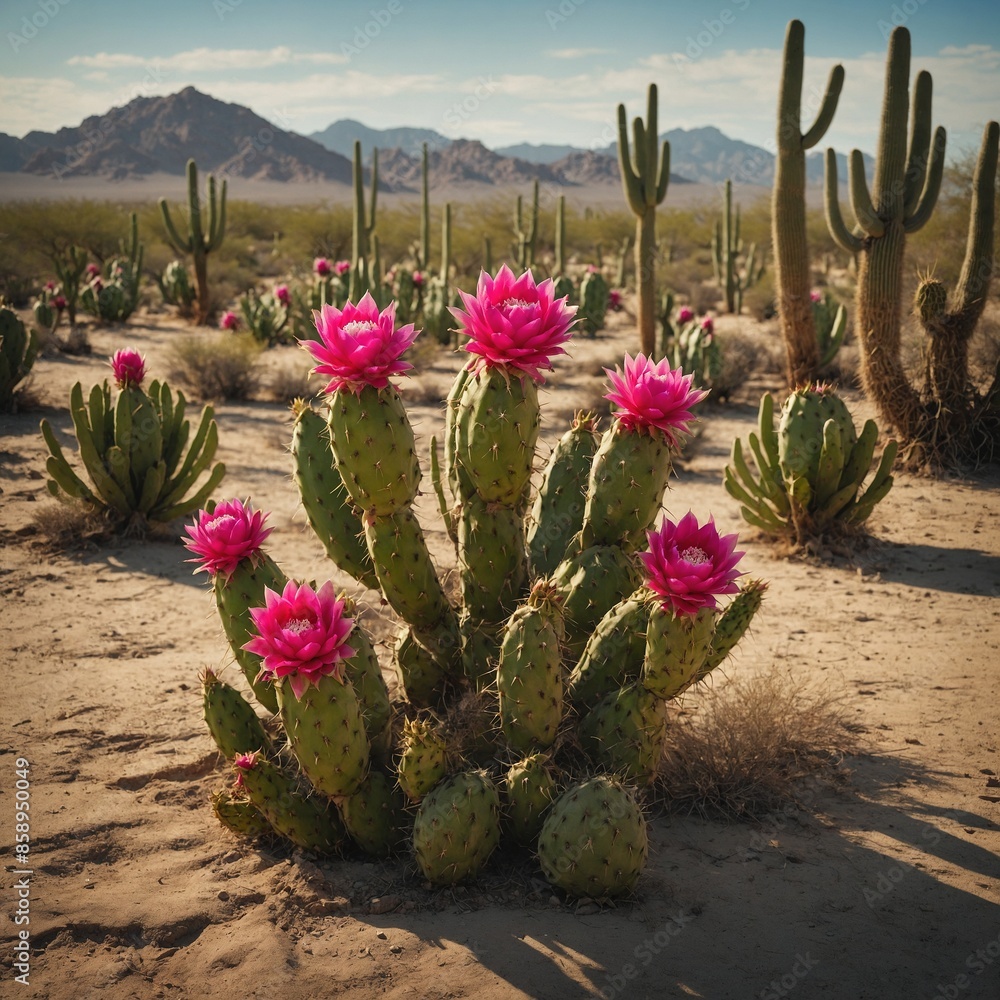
(293,380)
(63,527)
(747,742)
(216,367)
(743,355)
(759,299)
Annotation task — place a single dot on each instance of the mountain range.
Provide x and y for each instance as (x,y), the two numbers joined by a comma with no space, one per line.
(159,134)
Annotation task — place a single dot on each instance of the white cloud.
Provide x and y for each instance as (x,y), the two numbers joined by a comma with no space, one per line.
(206,60)
(574,53)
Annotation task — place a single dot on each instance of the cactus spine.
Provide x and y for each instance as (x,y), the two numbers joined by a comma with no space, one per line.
(645,175)
(199,242)
(788,207)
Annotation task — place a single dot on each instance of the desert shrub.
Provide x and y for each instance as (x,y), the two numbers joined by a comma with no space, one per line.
(215,367)
(291,379)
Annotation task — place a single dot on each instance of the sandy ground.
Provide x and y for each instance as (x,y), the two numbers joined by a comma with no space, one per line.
(885,888)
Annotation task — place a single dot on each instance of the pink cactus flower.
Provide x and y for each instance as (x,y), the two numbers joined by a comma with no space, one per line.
(418,279)
(652,397)
(302,635)
(707,324)
(244,762)
(129,367)
(322,267)
(97,285)
(688,566)
(282,294)
(222,539)
(685,315)
(513,324)
(342,267)
(59,301)
(360,345)
(92,271)
(229,321)
(815,295)
(615,299)
(50,286)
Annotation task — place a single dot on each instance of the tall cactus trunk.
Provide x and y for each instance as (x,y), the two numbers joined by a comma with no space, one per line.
(204,306)
(425,214)
(645,279)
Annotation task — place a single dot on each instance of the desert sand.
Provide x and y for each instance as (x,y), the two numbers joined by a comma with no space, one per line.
(884,883)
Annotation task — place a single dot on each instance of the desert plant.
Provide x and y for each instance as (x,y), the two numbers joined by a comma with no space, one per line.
(946,421)
(735,270)
(523,248)
(199,242)
(645,175)
(175,287)
(114,296)
(695,350)
(266,316)
(217,368)
(18,349)
(788,209)
(363,273)
(132,451)
(830,324)
(810,473)
(594,297)
(70,266)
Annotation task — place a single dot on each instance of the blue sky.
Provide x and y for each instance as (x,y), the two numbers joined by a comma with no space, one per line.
(503,72)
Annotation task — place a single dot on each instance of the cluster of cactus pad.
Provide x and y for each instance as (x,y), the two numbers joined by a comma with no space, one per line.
(810,472)
(18,349)
(532,710)
(135,450)
(113,294)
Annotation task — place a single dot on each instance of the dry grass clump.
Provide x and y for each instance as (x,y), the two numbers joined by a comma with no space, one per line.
(292,380)
(63,527)
(743,355)
(746,744)
(216,367)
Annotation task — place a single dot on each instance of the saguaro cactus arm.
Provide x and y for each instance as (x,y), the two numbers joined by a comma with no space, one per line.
(842,236)
(969,297)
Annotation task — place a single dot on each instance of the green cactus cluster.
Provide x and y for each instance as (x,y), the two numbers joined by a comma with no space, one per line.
(830,320)
(113,295)
(202,237)
(265,316)
(141,462)
(736,268)
(809,482)
(175,287)
(70,266)
(18,350)
(525,231)
(696,351)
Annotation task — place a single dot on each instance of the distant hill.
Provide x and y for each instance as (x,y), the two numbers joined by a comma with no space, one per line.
(340,137)
(544,153)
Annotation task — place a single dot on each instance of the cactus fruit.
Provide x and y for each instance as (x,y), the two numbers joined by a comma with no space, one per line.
(557,512)
(239,815)
(457,827)
(529,789)
(18,350)
(593,841)
(375,816)
(624,732)
(529,671)
(809,474)
(423,759)
(308,821)
(325,498)
(231,720)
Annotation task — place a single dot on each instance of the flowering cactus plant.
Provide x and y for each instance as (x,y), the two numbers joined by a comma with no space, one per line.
(136,453)
(562,622)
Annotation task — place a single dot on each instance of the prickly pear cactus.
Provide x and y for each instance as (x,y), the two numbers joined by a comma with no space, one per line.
(529,788)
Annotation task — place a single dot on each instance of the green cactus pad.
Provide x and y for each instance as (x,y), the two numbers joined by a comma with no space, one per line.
(624,733)
(593,841)
(557,513)
(376,817)
(308,821)
(423,759)
(234,598)
(677,647)
(480,651)
(614,652)
(497,426)
(492,558)
(325,498)
(373,446)
(800,431)
(529,789)
(365,674)
(733,624)
(419,671)
(591,584)
(457,827)
(625,492)
(231,720)
(326,733)
(239,815)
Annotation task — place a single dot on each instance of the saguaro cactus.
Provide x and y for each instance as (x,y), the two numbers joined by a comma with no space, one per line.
(425,214)
(524,247)
(199,242)
(645,175)
(362,280)
(727,248)
(788,207)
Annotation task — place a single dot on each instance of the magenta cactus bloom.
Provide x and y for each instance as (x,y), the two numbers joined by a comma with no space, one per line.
(360,345)
(59,301)
(688,566)
(302,635)
(685,315)
(92,271)
(229,321)
(652,397)
(129,367)
(342,267)
(615,299)
(50,286)
(707,324)
(282,294)
(513,324)
(322,267)
(222,539)
(815,295)
(418,279)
